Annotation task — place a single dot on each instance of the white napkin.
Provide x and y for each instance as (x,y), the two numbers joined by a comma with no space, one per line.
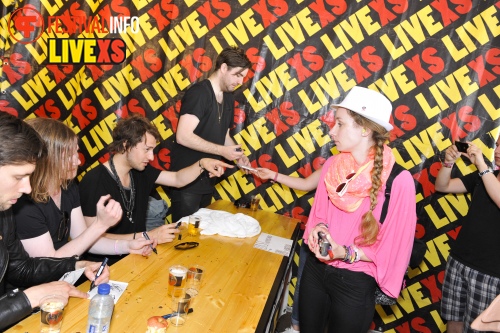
(226,224)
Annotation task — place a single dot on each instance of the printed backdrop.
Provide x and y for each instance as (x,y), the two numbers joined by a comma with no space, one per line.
(88,63)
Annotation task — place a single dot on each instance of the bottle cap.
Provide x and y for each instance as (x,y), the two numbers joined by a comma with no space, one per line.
(103,289)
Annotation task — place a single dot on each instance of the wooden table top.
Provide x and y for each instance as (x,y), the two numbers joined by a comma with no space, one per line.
(234,292)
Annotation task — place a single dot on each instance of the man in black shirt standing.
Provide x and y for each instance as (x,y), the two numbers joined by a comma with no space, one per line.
(206,115)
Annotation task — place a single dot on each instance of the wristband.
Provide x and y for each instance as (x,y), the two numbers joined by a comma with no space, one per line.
(448,165)
(116,251)
(275,179)
(482,173)
(201,167)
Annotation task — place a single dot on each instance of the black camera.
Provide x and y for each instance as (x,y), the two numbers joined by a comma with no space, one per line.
(241,203)
(324,245)
(462,146)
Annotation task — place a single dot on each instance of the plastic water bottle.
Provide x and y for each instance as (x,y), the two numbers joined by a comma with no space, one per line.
(100,310)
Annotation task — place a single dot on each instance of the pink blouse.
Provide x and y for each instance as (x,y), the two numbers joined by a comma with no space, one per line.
(390,254)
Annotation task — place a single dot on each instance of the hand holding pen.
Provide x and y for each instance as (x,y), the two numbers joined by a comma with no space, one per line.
(165,233)
(99,272)
(150,245)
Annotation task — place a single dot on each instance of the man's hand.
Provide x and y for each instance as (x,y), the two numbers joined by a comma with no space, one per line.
(63,288)
(91,269)
(231,152)
(215,168)
(164,234)
(141,246)
(109,211)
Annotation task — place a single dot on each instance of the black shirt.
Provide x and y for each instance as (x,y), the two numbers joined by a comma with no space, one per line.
(99,181)
(477,244)
(35,219)
(199,100)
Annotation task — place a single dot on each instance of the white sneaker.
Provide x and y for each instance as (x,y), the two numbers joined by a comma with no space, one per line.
(290,330)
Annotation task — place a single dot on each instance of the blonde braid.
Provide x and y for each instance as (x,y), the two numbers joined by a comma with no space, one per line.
(369,224)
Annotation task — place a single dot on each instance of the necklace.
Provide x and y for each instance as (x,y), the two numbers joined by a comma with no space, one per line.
(220,108)
(128,204)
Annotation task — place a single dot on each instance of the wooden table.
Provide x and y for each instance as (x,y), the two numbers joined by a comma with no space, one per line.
(240,291)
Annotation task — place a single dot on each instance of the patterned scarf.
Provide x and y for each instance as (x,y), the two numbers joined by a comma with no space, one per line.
(360,185)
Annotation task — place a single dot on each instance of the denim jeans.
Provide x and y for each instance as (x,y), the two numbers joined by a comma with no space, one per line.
(303,254)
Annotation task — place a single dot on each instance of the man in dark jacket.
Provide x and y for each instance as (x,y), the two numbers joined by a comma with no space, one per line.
(20,148)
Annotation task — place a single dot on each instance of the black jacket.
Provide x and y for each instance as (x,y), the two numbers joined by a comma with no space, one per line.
(19,270)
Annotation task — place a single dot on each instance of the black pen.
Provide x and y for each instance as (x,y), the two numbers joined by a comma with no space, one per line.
(99,272)
(177,227)
(150,245)
(173,314)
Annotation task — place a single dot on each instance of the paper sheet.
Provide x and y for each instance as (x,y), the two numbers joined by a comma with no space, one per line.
(274,244)
(116,291)
(73,276)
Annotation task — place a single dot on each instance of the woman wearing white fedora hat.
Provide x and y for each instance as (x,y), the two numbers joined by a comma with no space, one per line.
(337,289)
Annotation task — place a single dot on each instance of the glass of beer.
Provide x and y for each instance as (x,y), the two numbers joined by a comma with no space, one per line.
(254,202)
(180,305)
(176,278)
(194,225)
(194,275)
(52,309)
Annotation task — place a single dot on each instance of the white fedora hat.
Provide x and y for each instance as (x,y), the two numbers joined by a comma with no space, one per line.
(370,104)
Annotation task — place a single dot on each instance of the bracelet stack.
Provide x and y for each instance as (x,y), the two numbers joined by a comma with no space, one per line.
(351,254)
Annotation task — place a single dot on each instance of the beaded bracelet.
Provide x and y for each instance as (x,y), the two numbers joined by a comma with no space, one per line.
(357,257)
(351,254)
(346,253)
